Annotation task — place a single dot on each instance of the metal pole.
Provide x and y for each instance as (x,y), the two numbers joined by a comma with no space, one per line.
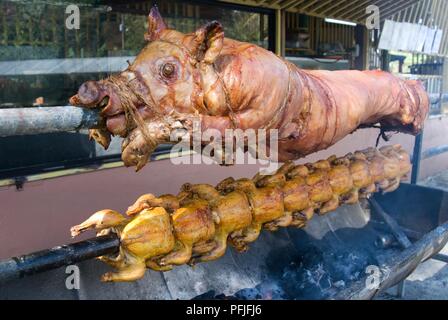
(25,121)
(56,257)
(394,227)
(440,257)
(398,233)
(280,32)
(416,157)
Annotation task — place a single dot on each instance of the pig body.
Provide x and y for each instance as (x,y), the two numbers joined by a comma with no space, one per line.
(226,84)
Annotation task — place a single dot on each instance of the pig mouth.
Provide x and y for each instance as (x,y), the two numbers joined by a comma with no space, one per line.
(103,103)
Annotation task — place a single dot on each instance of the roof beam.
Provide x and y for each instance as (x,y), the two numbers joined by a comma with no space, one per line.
(275,2)
(444,46)
(357,6)
(321,14)
(253,3)
(383,7)
(336,4)
(359,10)
(323,4)
(309,4)
(291,3)
(399,8)
(390,7)
(416,11)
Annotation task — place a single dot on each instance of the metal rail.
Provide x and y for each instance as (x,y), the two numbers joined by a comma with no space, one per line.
(436,98)
(434,151)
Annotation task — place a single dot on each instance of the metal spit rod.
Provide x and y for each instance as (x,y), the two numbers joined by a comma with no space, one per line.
(56,257)
(27,121)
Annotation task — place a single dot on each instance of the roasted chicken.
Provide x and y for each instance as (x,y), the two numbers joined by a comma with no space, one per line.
(226,84)
(197,224)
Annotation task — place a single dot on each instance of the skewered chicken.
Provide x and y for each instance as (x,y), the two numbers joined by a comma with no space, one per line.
(197,224)
(226,84)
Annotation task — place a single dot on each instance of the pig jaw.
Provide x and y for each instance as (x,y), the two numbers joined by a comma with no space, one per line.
(143,140)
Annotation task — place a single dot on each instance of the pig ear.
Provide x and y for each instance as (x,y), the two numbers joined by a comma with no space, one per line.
(208,42)
(155,25)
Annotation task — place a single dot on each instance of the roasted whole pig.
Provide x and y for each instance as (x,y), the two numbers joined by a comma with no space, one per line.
(197,224)
(226,84)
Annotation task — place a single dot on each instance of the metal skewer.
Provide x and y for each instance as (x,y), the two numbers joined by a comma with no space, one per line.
(28,264)
(26,121)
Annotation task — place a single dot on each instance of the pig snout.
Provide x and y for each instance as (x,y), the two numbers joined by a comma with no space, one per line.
(89,95)
(92,94)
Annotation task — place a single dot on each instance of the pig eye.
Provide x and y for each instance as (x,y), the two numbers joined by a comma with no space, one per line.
(168,70)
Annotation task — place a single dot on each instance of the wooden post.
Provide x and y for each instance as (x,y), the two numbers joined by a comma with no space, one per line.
(361,40)
(280,32)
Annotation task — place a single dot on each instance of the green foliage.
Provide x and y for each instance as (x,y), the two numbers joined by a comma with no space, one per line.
(35,29)
(41,25)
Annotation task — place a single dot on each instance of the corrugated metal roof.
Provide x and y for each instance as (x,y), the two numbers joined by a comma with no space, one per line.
(351,10)
(431,13)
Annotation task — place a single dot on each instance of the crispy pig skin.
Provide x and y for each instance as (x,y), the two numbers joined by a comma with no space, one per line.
(197,224)
(224,84)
